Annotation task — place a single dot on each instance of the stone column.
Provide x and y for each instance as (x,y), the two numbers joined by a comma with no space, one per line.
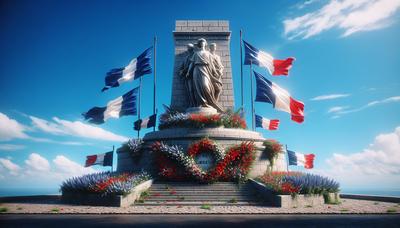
(188,31)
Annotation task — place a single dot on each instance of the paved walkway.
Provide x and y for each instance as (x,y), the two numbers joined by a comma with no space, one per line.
(202,221)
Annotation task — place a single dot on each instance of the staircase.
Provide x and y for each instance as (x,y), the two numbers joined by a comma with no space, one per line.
(187,193)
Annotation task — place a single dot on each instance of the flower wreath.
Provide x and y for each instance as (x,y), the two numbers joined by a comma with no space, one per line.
(206,146)
(173,164)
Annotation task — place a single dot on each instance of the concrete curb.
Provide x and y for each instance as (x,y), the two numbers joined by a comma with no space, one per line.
(389,199)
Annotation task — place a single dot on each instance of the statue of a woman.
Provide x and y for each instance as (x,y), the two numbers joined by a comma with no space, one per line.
(206,84)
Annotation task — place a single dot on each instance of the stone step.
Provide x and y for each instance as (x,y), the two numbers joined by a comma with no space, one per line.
(195,203)
(204,193)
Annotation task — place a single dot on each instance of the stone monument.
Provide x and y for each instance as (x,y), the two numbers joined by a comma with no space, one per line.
(201,84)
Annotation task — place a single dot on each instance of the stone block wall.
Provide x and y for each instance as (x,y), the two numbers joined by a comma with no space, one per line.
(189,31)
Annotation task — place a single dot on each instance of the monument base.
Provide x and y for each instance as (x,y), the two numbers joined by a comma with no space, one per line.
(183,137)
(201,110)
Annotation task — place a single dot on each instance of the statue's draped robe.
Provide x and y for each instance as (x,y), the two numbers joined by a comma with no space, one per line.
(206,83)
(187,77)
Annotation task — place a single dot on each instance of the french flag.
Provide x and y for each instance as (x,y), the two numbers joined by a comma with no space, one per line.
(260,58)
(145,123)
(122,106)
(105,159)
(137,67)
(298,159)
(266,123)
(270,92)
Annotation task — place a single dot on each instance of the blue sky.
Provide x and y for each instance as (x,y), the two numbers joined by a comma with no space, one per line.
(55,55)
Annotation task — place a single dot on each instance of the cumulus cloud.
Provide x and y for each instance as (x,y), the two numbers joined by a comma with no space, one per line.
(38,169)
(329,97)
(36,162)
(11,147)
(75,128)
(11,129)
(10,167)
(379,162)
(349,15)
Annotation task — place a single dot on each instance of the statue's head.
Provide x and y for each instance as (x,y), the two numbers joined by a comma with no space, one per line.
(190,47)
(213,47)
(201,43)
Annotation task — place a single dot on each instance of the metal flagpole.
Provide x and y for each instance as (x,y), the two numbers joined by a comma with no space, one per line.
(287,159)
(155,78)
(112,162)
(241,71)
(140,98)
(252,100)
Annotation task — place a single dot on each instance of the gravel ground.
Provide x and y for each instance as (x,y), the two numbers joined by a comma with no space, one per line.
(347,206)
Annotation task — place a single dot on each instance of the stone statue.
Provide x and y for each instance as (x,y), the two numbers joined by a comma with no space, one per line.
(205,74)
(219,68)
(186,75)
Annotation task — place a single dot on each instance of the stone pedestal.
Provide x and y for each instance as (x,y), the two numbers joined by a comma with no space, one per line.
(183,137)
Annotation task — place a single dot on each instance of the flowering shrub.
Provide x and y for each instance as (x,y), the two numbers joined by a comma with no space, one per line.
(298,183)
(176,119)
(134,147)
(104,183)
(272,148)
(173,163)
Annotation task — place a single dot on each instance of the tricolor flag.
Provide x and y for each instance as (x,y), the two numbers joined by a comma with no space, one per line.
(260,58)
(122,106)
(270,92)
(266,123)
(145,123)
(105,159)
(137,67)
(306,160)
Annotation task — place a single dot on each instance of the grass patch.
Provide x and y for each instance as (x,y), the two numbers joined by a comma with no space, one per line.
(3,209)
(206,207)
(308,206)
(233,200)
(294,206)
(344,209)
(391,210)
(56,210)
(20,208)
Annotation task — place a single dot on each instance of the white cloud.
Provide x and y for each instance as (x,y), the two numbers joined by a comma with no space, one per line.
(75,128)
(329,97)
(10,129)
(379,162)
(36,162)
(38,171)
(337,109)
(70,168)
(350,15)
(370,104)
(12,168)
(11,147)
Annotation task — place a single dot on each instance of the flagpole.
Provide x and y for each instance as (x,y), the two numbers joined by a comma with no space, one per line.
(241,71)
(112,162)
(287,159)
(252,100)
(155,77)
(140,98)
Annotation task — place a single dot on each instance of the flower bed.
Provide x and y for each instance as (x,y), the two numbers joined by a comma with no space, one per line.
(291,183)
(105,183)
(186,120)
(232,165)
(105,189)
